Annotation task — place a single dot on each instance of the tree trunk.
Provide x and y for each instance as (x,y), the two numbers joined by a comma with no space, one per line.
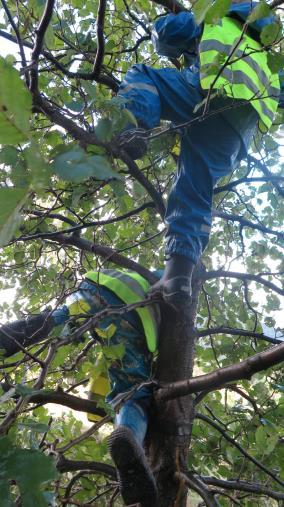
(170,434)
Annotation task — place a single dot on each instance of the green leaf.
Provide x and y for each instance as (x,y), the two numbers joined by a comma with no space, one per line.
(36,427)
(103,130)
(11,202)
(114,351)
(200,9)
(15,106)
(270,34)
(40,171)
(275,61)
(76,165)
(106,333)
(49,37)
(75,105)
(29,468)
(217,11)
(25,391)
(262,10)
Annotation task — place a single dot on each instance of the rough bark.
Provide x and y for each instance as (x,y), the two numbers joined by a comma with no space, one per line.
(169,437)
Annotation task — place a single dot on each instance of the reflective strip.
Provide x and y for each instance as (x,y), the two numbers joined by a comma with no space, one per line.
(140,86)
(248,77)
(215,45)
(205,228)
(153,308)
(130,291)
(237,77)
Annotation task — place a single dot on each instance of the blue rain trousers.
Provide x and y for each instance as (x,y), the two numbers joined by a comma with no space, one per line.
(209,148)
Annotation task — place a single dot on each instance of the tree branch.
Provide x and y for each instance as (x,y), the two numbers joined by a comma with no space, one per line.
(247,223)
(265,170)
(66,465)
(139,176)
(220,273)
(197,485)
(240,181)
(257,489)
(106,252)
(108,80)
(276,3)
(40,33)
(227,437)
(85,225)
(237,332)
(218,378)
(18,39)
(100,38)
(67,400)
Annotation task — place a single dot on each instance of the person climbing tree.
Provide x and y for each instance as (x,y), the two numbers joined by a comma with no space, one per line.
(137,331)
(225,91)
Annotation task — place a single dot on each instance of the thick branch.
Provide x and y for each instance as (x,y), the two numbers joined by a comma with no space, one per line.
(55,116)
(218,378)
(220,273)
(276,3)
(247,223)
(197,485)
(67,465)
(66,400)
(40,33)
(257,489)
(237,332)
(100,38)
(106,252)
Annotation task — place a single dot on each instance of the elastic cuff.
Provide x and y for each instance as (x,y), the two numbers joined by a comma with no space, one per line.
(177,247)
(60,315)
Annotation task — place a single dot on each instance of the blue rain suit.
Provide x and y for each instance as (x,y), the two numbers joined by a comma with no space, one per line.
(210,148)
(135,366)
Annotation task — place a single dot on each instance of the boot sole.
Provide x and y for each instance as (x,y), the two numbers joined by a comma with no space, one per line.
(136,481)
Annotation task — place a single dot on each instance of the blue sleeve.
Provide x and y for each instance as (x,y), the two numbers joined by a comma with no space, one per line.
(174,34)
(244,9)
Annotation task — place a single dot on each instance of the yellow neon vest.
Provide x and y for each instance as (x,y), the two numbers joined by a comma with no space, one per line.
(131,287)
(248,77)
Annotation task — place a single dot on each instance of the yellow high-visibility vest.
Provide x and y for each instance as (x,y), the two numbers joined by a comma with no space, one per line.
(248,77)
(131,287)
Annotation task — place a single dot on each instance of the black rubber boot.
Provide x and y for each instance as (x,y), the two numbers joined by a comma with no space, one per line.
(133,141)
(25,332)
(136,481)
(175,285)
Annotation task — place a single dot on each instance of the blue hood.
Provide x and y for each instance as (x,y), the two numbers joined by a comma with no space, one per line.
(244,9)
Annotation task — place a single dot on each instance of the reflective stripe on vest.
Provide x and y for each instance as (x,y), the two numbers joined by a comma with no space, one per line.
(248,77)
(131,287)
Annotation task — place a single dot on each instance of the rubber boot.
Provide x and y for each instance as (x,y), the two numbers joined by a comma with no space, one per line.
(25,332)
(133,141)
(175,285)
(135,478)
